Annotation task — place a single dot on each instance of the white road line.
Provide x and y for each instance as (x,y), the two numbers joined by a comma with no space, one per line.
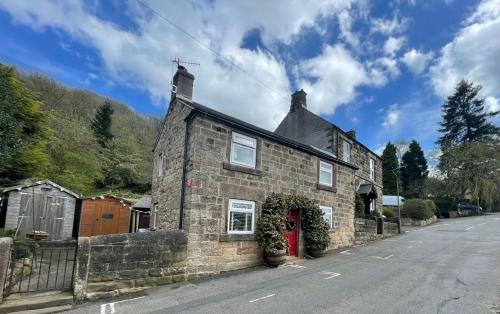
(419,242)
(332,275)
(378,257)
(493,218)
(391,240)
(112,305)
(387,257)
(410,247)
(262,298)
(347,252)
(293,266)
(469,228)
(481,224)
(129,299)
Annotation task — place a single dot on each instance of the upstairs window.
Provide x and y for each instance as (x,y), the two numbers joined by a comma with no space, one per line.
(346,151)
(241,217)
(325,174)
(160,165)
(327,215)
(372,169)
(243,150)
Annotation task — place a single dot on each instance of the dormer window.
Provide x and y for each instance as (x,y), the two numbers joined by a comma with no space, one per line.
(243,150)
(325,174)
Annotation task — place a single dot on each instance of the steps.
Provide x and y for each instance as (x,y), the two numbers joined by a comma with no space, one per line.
(37,303)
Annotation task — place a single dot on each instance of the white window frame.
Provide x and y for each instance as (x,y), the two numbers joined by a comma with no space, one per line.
(372,169)
(253,147)
(346,153)
(323,208)
(322,166)
(160,165)
(240,210)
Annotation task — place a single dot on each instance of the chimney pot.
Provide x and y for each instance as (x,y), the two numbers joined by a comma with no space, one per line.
(351,133)
(298,100)
(183,82)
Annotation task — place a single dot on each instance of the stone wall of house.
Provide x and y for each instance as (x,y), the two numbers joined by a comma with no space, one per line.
(215,181)
(166,187)
(111,265)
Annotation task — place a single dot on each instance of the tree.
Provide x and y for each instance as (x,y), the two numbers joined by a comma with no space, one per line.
(464,118)
(102,124)
(390,164)
(414,170)
(473,170)
(23,130)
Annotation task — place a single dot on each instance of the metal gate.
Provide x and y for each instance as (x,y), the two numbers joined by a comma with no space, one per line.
(40,266)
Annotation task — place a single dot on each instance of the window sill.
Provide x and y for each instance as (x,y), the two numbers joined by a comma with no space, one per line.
(227,237)
(326,188)
(229,166)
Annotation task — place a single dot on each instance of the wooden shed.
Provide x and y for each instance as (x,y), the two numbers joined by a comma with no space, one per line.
(51,205)
(105,214)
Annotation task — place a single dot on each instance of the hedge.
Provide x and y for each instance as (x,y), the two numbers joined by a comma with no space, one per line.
(389,212)
(418,209)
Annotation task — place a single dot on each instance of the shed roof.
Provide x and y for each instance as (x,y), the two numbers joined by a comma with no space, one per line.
(144,203)
(35,183)
(250,128)
(120,199)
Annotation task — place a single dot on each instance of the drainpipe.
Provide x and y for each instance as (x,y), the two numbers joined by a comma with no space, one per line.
(188,120)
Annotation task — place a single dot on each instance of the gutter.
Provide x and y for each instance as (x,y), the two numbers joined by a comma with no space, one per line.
(188,120)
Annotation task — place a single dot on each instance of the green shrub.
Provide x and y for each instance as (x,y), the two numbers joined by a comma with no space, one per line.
(432,207)
(272,225)
(389,212)
(417,209)
(359,206)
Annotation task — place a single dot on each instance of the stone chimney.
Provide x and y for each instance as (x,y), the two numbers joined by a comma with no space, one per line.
(298,100)
(351,134)
(182,84)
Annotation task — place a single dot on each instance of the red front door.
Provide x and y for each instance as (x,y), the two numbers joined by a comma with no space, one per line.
(293,235)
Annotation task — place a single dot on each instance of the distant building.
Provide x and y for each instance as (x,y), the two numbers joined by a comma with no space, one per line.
(140,216)
(392,200)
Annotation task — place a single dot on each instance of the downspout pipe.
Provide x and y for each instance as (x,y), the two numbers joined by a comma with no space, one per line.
(188,120)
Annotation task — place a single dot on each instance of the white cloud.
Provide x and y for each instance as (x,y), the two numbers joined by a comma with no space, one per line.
(345,24)
(417,61)
(334,74)
(392,117)
(141,58)
(473,54)
(492,104)
(393,45)
(396,25)
(390,65)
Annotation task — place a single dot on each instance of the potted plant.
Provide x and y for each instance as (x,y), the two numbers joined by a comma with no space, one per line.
(37,235)
(271,227)
(316,231)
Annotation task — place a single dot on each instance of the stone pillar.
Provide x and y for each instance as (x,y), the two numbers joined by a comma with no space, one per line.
(5,245)
(81,269)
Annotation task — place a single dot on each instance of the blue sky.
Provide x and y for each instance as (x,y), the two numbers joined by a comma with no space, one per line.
(383,68)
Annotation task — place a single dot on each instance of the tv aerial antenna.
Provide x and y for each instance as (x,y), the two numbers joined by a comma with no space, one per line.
(179,62)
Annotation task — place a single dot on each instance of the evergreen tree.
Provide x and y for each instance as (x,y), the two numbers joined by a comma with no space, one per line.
(464,118)
(102,124)
(23,130)
(414,170)
(389,165)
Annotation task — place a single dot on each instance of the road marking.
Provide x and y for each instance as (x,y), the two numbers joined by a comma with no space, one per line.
(419,242)
(379,257)
(293,266)
(262,298)
(410,247)
(445,224)
(391,240)
(112,305)
(493,218)
(346,252)
(387,257)
(331,274)
(469,228)
(481,224)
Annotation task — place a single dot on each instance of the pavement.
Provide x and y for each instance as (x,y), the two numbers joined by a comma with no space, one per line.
(449,267)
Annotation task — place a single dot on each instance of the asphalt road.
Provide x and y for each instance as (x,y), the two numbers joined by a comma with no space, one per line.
(449,267)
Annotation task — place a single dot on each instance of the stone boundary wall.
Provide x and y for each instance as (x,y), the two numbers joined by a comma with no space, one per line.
(414,222)
(5,246)
(462,213)
(390,228)
(365,230)
(111,265)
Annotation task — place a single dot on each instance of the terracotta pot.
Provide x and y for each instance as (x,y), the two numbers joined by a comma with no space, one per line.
(37,236)
(316,252)
(276,258)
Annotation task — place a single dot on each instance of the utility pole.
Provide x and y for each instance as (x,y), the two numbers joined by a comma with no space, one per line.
(397,190)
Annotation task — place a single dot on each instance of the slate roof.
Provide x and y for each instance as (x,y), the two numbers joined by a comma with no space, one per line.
(250,128)
(143,203)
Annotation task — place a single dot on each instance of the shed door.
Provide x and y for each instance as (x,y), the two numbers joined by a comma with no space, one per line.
(53,216)
(27,211)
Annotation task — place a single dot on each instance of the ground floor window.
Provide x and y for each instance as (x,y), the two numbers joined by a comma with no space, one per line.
(327,215)
(241,216)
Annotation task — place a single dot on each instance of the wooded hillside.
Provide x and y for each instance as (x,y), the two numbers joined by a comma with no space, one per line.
(76,160)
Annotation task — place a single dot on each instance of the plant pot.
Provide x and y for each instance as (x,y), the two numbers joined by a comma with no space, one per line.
(276,258)
(316,252)
(37,235)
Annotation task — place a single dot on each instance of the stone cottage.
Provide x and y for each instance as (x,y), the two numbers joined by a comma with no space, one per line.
(308,128)
(212,173)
